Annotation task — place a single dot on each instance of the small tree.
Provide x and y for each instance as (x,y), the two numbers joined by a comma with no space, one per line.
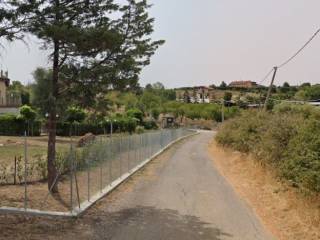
(29,115)
(92,44)
(136,114)
(75,115)
(223,85)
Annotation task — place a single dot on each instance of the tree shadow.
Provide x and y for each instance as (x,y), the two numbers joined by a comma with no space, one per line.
(144,223)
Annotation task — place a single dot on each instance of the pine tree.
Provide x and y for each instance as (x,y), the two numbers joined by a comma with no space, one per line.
(94,44)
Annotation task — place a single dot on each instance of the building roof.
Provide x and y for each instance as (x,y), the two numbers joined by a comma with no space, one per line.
(242,84)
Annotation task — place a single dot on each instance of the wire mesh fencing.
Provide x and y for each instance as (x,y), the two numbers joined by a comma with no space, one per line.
(84,172)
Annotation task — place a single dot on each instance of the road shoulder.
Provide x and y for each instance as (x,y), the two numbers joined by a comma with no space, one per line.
(284,212)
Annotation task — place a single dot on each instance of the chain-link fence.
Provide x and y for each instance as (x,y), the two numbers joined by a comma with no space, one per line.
(86,169)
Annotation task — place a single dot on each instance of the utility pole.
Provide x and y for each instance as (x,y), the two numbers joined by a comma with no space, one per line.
(275,69)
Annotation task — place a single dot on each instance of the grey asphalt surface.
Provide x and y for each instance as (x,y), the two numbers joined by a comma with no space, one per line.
(186,199)
(180,195)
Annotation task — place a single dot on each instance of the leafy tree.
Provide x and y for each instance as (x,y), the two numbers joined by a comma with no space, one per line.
(136,114)
(149,100)
(286,85)
(158,86)
(29,115)
(40,89)
(94,44)
(148,86)
(24,91)
(309,93)
(223,85)
(129,100)
(306,84)
(155,112)
(75,114)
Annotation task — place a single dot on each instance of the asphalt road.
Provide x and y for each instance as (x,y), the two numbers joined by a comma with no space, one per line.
(178,196)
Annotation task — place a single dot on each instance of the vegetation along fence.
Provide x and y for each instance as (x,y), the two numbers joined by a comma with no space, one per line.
(85,172)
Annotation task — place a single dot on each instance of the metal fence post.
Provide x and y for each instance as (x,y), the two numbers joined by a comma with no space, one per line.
(25,171)
(88,177)
(128,143)
(100,161)
(120,154)
(110,159)
(71,175)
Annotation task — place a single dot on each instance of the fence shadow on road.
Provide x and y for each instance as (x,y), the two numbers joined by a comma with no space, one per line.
(152,223)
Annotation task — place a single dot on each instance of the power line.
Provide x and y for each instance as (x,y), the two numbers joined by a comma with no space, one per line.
(265,78)
(300,50)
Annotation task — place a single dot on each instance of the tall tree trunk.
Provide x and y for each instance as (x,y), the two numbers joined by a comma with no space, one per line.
(52,121)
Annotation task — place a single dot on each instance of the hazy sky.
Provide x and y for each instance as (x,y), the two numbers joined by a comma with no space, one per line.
(209,41)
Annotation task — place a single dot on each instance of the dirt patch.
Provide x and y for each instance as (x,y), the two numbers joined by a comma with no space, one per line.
(287,213)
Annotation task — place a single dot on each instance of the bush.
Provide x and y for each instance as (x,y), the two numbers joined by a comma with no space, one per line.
(287,139)
(150,125)
(139,130)
(135,113)
(75,114)
(302,160)
(11,125)
(119,124)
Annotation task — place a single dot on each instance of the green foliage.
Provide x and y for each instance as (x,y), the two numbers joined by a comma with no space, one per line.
(135,113)
(155,112)
(302,160)
(75,114)
(150,125)
(223,85)
(119,124)
(11,125)
(17,88)
(40,90)
(227,96)
(140,129)
(308,93)
(27,113)
(206,111)
(287,139)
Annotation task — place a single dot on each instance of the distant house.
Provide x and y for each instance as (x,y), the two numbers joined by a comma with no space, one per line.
(199,94)
(243,84)
(9,101)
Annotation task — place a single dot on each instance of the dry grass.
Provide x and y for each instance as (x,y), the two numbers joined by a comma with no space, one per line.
(14,146)
(287,213)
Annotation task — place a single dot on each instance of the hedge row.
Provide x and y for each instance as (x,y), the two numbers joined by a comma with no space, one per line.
(11,125)
(287,139)
(79,129)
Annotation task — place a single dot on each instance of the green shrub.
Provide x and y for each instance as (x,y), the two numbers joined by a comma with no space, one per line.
(150,125)
(140,129)
(242,133)
(135,113)
(12,125)
(288,138)
(302,160)
(75,114)
(119,124)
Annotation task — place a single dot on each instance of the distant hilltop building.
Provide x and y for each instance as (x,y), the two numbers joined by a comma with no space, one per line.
(9,101)
(243,84)
(200,94)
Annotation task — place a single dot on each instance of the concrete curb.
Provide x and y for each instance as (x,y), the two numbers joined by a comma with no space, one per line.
(87,204)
